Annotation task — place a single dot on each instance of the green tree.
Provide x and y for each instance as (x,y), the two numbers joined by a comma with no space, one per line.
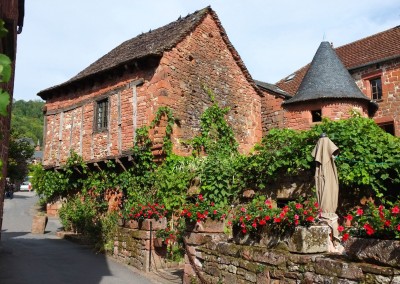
(27,119)
(20,152)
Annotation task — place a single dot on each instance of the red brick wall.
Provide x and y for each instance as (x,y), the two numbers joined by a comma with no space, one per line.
(389,106)
(202,58)
(299,116)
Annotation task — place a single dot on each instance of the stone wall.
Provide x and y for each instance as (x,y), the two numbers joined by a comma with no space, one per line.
(134,245)
(299,116)
(389,105)
(272,113)
(219,261)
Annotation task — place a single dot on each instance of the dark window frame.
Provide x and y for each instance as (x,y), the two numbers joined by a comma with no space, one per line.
(101,117)
(376,88)
(316,115)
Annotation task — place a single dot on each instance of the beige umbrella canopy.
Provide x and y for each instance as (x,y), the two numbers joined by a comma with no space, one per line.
(326,177)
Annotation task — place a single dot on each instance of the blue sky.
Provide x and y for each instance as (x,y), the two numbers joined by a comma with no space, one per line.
(274,38)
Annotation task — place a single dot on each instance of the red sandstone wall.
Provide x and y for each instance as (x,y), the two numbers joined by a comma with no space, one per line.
(204,59)
(299,116)
(69,120)
(200,59)
(272,113)
(389,106)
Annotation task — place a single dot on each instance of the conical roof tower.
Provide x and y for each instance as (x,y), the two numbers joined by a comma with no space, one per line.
(327,78)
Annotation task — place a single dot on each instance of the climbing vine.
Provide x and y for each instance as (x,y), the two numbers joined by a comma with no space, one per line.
(368,163)
(5,75)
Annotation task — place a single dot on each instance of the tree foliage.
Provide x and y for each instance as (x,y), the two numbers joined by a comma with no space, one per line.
(20,152)
(27,119)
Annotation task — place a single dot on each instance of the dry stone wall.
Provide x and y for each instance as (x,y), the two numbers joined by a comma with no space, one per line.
(222,262)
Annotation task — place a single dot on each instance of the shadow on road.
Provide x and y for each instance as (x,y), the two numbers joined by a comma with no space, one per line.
(30,260)
(45,258)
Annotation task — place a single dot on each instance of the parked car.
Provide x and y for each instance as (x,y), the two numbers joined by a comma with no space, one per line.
(26,185)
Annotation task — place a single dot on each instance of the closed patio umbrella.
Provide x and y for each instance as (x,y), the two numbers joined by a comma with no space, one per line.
(326,180)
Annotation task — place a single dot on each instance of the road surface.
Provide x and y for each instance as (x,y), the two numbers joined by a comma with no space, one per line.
(27,258)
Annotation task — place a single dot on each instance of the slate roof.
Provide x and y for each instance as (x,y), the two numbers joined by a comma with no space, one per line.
(152,43)
(272,88)
(326,78)
(376,48)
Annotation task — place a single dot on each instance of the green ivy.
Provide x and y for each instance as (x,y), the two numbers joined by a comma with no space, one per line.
(5,75)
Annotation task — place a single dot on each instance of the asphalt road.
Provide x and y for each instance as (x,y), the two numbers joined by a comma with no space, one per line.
(27,258)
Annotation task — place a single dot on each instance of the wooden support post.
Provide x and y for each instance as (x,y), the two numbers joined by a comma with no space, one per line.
(97,166)
(120,163)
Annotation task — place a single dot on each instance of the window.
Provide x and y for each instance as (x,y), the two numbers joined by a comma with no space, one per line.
(376,89)
(102,115)
(388,127)
(316,115)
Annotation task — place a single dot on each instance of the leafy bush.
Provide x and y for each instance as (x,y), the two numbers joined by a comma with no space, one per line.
(79,214)
(83,214)
(369,157)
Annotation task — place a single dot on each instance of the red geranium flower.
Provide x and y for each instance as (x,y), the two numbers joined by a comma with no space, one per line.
(299,206)
(395,210)
(340,228)
(277,220)
(370,230)
(345,237)
(262,222)
(310,218)
(360,211)
(349,217)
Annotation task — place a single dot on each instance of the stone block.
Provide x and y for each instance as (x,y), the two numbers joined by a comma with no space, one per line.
(314,239)
(39,223)
(385,252)
(156,224)
(209,226)
(338,268)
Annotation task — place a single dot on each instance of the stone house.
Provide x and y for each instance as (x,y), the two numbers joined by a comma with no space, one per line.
(97,112)
(299,100)
(12,13)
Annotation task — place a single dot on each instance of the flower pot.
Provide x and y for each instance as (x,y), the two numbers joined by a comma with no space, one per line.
(154,224)
(313,239)
(207,226)
(132,224)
